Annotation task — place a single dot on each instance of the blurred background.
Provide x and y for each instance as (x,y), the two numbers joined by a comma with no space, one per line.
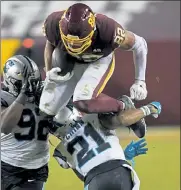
(159,23)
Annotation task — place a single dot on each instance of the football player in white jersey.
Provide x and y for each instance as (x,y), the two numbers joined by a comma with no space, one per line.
(24,133)
(91,147)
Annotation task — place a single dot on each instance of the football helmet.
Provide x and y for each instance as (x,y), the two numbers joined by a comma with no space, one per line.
(77,27)
(13,76)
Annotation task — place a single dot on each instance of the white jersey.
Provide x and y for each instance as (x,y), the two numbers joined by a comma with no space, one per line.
(27,146)
(88,145)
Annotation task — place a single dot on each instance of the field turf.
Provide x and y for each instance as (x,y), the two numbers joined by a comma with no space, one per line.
(158,170)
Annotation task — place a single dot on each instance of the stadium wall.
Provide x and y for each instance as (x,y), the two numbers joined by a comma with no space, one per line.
(163,74)
(157,21)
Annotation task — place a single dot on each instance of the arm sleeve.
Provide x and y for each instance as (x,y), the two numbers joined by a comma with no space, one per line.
(139,48)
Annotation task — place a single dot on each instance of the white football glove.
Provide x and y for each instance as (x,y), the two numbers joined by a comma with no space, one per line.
(53,75)
(138,90)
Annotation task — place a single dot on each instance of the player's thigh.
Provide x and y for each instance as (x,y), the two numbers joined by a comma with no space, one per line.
(10,176)
(120,179)
(34,185)
(56,96)
(95,78)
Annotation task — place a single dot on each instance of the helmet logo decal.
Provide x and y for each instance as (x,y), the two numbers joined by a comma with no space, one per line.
(91,20)
(8,65)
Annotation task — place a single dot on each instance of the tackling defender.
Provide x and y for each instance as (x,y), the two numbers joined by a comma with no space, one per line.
(24,133)
(91,147)
(82,44)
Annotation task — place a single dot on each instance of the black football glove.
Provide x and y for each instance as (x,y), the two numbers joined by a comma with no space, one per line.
(25,81)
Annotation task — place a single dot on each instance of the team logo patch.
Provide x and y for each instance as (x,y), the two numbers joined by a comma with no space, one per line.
(96,50)
(8,65)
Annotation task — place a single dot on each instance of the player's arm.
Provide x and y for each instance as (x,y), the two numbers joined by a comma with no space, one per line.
(130,116)
(62,161)
(49,48)
(10,115)
(122,119)
(48,30)
(127,40)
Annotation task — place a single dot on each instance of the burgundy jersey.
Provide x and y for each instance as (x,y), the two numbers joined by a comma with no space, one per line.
(107,37)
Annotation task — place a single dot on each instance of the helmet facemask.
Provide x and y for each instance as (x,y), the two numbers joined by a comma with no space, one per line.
(75,44)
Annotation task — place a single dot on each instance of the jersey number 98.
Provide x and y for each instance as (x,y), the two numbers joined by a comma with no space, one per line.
(28,122)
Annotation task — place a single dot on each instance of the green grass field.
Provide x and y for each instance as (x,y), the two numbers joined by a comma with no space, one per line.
(158,170)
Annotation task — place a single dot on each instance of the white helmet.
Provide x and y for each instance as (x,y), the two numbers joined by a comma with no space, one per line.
(13,75)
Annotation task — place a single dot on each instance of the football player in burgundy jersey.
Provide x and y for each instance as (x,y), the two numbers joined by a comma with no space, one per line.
(80,47)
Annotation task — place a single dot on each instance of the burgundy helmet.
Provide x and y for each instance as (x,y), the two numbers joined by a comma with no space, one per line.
(77,27)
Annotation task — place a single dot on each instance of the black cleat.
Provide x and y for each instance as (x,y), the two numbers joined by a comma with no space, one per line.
(139,128)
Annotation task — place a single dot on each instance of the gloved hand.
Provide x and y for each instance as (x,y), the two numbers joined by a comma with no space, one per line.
(25,79)
(62,161)
(53,75)
(22,97)
(135,149)
(138,90)
(39,89)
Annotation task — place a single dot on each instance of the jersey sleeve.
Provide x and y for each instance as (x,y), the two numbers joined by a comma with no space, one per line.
(6,99)
(119,35)
(50,27)
(111,32)
(4,103)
